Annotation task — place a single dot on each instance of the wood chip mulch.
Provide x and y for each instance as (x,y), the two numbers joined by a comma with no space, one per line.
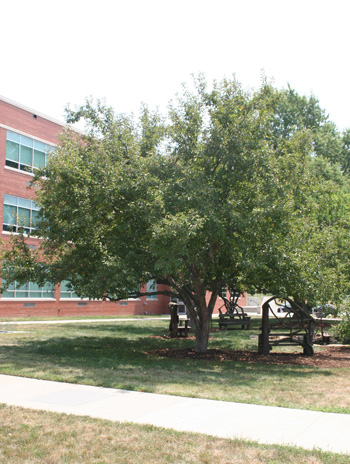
(328,356)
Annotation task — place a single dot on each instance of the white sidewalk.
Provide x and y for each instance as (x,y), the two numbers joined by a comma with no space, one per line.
(307,429)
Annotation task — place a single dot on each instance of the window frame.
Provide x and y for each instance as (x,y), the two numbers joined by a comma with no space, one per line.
(19,203)
(151,287)
(25,142)
(21,293)
(64,290)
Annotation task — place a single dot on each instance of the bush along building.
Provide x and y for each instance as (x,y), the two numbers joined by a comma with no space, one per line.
(26,140)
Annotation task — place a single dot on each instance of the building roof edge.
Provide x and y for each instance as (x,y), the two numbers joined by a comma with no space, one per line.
(31,110)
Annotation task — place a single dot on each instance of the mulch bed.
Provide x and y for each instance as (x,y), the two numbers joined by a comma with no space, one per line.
(329,356)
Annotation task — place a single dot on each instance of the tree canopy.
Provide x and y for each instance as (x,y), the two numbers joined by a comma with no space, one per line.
(232,188)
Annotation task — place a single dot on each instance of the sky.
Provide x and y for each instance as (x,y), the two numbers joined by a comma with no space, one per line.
(127,52)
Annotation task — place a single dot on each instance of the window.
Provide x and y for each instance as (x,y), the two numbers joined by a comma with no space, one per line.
(19,213)
(67,292)
(223,292)
(24,153)
(29,290)
(152,287)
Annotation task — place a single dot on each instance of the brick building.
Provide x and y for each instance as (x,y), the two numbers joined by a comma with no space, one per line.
(26,139)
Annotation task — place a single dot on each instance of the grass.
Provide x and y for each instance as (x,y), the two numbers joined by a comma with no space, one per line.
(114,354)
(38,437)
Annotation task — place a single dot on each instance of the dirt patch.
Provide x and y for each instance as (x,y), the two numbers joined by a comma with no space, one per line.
(330,356)
(167,337)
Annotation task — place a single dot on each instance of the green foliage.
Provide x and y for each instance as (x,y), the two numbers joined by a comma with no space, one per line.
(343,329)
(345,153)
(328,310)
(295,113)
(233,188)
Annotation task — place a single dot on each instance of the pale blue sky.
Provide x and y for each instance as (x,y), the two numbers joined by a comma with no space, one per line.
(129,51)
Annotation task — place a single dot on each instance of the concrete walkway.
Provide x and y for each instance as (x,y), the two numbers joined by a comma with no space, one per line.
(307,429)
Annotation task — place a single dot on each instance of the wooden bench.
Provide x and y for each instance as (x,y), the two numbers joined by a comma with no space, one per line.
(231,322)
(297,327)
(182,330)
(234,317)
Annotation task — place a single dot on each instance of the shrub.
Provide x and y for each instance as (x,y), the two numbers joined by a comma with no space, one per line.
(343,329)
(327,310)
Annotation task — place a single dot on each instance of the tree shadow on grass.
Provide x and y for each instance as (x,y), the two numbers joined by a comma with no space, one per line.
(119,330)
(94,354)
(122,359)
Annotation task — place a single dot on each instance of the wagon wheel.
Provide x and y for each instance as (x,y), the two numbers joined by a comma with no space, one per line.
(291,309)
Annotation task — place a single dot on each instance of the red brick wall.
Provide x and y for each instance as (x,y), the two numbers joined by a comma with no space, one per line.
(71,308)
(21,120)
(142,306)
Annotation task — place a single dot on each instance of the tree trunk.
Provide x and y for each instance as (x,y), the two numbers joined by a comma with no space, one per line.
(202,336)
(201,317)
(200,312)
(264,344)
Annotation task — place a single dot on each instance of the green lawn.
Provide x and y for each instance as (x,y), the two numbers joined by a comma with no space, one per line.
(115,354)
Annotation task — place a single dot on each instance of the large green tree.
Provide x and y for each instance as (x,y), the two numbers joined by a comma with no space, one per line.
(314,258)
(221,192)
